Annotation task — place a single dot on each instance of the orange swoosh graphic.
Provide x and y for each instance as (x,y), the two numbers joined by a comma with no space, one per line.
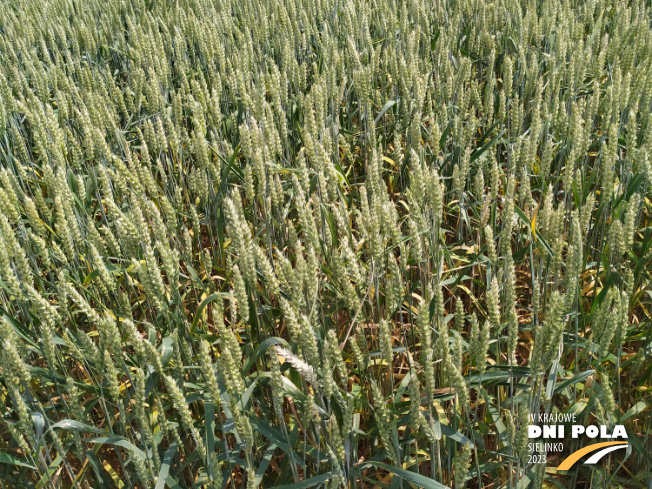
(575,456)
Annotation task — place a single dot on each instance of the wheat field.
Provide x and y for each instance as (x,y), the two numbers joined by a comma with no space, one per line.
(328,243)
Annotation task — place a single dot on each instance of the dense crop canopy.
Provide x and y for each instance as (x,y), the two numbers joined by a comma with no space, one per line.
(322,243)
